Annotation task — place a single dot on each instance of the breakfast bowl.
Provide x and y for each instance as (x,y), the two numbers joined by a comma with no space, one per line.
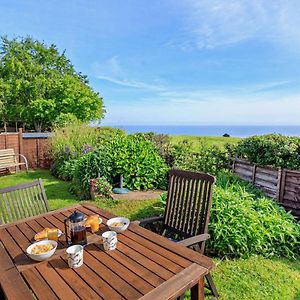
(118,224)
(41,250)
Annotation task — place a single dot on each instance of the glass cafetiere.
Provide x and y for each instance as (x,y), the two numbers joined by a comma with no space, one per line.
(77,228)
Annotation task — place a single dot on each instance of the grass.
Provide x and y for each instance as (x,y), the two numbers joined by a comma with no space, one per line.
(242,279)
(211,140)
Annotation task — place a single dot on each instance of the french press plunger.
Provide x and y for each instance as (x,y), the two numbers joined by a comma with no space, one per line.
(77,228)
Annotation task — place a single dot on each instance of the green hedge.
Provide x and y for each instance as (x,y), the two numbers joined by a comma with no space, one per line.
(273,149)
(209,158)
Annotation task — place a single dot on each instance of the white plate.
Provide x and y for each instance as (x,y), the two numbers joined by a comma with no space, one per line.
(118,229)
(44,256)
(88,226)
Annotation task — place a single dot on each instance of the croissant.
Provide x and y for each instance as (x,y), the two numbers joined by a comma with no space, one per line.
(44,233)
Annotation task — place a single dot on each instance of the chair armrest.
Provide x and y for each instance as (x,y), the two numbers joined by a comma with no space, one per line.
(149,220)
(25,160)
(194,240)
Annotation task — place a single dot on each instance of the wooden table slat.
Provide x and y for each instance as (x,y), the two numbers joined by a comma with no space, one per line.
(39,286)
(13,248)
(10,278)
(169,289)
(136,268)
(114,265)
(80,286)
(59,286)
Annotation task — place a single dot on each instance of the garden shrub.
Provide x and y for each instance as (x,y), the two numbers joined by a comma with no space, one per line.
(163,144)
(273,149)
(71,142)
(209,158)
(243,223)
(103,187)
(132,156)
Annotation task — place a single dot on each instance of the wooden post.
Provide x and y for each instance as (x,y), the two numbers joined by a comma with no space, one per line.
(37,152)
(20,142)
(282,185)
(254,174)
(279,184)
(233,164)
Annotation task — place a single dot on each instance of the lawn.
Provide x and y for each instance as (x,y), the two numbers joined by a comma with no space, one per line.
(243,279)
(211,140)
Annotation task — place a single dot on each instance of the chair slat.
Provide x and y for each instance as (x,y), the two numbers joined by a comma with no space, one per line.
(32,201)
(200,207)
(22,201)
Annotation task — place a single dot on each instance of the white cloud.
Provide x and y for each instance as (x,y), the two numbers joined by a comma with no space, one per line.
(131,83)
(215,23)
(112,71)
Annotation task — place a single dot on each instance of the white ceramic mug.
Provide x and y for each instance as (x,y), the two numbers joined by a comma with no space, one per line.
(75,256)
(109,240)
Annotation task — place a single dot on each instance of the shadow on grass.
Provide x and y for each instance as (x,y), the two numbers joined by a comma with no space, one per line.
(150,210)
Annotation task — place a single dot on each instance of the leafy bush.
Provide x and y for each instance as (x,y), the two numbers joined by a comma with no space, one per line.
(273,149)
(163,144)
(209,158)
(71,142)
(132,156)
(103,187)
(243,222)
(77,136)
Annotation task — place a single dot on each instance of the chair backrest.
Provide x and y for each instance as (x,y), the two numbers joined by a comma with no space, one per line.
(7,157)
(23,201)
(188,202)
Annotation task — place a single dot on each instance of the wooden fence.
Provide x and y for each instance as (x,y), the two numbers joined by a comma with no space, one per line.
(283,185)
(33,145)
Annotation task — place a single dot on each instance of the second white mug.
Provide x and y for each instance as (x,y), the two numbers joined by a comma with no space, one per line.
(109,240)
(75,256)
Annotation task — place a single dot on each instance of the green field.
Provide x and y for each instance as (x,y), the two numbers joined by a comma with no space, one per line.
(210,140)
(241,279)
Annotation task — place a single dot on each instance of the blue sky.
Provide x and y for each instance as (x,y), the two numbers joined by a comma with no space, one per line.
(176,61)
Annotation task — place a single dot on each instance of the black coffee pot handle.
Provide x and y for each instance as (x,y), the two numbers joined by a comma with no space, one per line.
(66,232)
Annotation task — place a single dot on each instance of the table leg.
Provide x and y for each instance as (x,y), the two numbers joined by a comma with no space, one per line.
(197,291)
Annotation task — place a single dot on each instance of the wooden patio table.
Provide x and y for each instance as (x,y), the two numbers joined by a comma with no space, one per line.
(144,265)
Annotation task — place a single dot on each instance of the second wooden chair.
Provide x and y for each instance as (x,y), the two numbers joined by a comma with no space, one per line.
(22,201)
(187,212)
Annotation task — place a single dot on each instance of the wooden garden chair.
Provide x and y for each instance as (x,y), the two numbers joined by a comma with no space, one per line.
(187,212)
(22,201)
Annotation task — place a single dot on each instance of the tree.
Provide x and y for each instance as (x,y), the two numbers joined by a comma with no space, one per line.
(37,84)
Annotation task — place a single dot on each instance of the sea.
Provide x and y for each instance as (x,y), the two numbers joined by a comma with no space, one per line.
(213,130)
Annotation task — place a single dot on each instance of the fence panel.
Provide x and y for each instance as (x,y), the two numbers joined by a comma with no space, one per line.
(290,191)
(265,178)
(34,146)
(283,185)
